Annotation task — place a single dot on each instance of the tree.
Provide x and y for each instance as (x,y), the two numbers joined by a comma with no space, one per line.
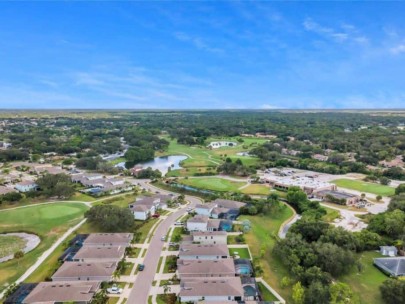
(298,293)
(397,202)
(135,155)
(400,189)
(384,180)
(393,291)
(340,293)
(110,218)
(378,198)
(56,185)
(317,293)
(18,255)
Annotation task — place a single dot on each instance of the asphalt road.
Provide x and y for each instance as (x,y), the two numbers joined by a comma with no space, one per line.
(140,291)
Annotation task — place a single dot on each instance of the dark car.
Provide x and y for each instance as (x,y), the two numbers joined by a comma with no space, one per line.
(141,267)
(156,215)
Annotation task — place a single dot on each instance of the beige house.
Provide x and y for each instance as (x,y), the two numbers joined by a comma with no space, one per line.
(206,268)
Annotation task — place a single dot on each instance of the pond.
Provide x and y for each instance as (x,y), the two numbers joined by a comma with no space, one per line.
(162,163)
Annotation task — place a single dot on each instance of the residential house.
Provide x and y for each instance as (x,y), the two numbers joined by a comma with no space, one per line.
(209,237)
(211,289)
(26,186)
(203,252)
(205,268)
(62,292)
(90,254)
(203,223)
(393,266)
(108,239)
(204,209)
(389,251)
(80,271)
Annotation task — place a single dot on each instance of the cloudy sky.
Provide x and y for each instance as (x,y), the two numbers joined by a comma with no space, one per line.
(205,55)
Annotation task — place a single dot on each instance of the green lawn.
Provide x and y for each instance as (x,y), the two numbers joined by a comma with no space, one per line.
(256,189)
(242,252)
(361,186)
(266,294)
(48,221)
(366,284)
(213,183)
(121,201)
(201,159)
(10,244)
(262,236)
(331,214)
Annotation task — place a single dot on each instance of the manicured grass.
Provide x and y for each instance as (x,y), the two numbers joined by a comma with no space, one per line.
(176,235)
(361,186)
(117,161)
(128,269)
(256,189)
(121,201)
(166,266)
(213,183)
(367,283)
(243,253)
(113,300)
(48,221)
(78,196)
(331,214)
(10,244)
(263,236)
(266,294)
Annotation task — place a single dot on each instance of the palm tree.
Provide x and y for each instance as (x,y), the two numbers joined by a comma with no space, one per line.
(19,255)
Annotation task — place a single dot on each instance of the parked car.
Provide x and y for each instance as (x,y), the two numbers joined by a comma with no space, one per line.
(178,224)
(163,238)
(156,215)
(141,267)
(114,290)
(173,244)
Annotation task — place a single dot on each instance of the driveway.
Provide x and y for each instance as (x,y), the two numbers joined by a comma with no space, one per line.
(143,282)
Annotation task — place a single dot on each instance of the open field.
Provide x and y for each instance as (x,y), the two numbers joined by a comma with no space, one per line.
(331,214)
(361,186)
(266,294)
(262,236)
(256,189)
(214,183)
(48,221)
(366,284)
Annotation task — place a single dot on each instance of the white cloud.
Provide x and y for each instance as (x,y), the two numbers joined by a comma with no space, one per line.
(345,33)
(399,49)
(267,106)
(198,42)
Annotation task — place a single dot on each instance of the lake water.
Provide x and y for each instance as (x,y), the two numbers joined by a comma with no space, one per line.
(164,162)
(161,163)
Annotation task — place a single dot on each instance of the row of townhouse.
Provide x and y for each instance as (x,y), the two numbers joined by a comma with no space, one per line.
(145,207)
(91,260)
(97,184)
(208,274)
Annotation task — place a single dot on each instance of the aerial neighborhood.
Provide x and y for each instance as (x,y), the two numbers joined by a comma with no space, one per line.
(122,210)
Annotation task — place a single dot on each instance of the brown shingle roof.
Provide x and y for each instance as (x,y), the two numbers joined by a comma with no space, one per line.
(51,292)
(89,252)
(108,238)
(80,269)
(197,249)
(228,286)
(211,267)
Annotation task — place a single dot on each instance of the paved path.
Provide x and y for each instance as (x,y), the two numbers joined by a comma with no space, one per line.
(46,254)
(143,282)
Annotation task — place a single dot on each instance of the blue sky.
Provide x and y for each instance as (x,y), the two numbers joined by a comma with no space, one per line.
(244,55)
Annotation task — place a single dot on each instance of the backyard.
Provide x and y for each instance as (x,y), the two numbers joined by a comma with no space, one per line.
(47,221)
(264,228)
(361,186)
(366,284)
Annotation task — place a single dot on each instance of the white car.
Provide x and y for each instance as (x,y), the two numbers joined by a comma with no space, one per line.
(178,224)
(114,290)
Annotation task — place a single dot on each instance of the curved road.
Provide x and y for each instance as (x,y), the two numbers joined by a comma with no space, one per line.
(143,282)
